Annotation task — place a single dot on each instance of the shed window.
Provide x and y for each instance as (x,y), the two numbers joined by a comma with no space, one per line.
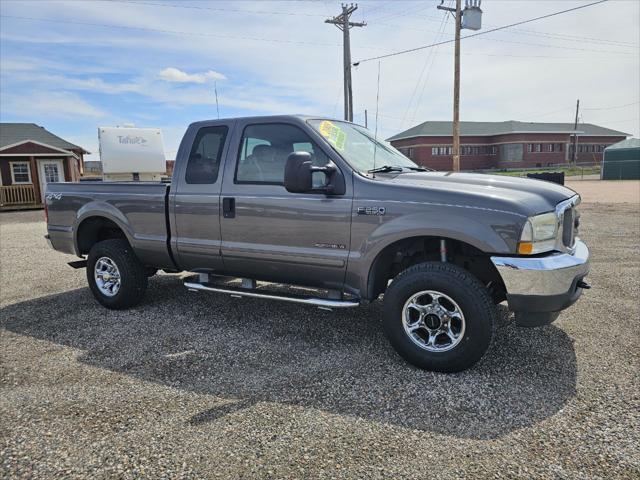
(20,172)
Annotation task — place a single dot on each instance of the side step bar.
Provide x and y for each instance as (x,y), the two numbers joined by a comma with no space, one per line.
(323,303)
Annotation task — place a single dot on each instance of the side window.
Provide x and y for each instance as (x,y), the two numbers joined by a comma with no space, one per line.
(265,149)
(204,159)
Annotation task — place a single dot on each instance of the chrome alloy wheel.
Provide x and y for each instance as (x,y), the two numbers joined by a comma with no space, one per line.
(433,321)
(107,276)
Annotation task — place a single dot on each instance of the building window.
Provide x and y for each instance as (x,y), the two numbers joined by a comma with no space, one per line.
(410,152)
(558,147)
(20,172)
(511,152)
(538,147)
(434,150)
(530,147)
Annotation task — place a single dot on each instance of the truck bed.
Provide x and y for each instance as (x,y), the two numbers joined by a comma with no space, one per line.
(138,208)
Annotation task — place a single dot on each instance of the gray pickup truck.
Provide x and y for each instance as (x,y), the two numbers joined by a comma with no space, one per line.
(341,218)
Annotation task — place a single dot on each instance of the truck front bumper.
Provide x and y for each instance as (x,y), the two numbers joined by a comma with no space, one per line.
(538,288)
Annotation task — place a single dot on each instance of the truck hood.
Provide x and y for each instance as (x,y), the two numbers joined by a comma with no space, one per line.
(523,196)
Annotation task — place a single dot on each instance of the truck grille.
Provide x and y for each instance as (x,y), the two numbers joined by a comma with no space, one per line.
(568,227)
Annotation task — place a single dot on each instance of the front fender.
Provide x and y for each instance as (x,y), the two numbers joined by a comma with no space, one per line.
(489,231)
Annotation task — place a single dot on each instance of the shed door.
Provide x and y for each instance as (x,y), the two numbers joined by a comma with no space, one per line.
(49,171)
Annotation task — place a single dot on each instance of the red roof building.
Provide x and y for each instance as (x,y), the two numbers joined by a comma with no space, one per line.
(486,145)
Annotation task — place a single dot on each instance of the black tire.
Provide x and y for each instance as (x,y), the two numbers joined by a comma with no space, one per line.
(133,275)
(473,299)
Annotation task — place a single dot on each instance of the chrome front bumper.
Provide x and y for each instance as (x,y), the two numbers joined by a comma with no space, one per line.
(554,275)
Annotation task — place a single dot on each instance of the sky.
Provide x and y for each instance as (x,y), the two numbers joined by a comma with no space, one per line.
(72,66)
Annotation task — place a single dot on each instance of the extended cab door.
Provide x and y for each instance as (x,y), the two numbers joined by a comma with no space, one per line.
(269,233)
(195,204)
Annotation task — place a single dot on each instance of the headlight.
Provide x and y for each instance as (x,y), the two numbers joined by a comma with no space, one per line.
(539,234)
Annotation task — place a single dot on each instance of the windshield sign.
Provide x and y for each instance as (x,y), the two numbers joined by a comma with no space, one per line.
(358,146)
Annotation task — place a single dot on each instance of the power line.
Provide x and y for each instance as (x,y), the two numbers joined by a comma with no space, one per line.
(613,108)
(173,32)
(402,14)
(636,119)
(481,33)
(216,9)
(519,31)
(544,45)
(537,115)
(432,58)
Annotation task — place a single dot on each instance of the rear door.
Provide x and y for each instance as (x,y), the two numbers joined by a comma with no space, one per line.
(197,181)
(269,233)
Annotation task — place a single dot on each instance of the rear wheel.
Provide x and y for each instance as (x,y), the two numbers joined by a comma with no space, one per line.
(116,277)
(439,317)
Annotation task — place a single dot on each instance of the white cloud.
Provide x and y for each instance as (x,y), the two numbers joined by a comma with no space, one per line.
(171,74)
(45,105)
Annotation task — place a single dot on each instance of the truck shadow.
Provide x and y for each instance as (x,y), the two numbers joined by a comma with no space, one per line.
(254,350)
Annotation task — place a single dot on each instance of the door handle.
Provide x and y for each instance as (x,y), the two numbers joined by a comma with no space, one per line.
(229,207)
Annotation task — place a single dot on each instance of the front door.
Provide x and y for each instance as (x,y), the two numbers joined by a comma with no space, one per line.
(49,171)
(271,234)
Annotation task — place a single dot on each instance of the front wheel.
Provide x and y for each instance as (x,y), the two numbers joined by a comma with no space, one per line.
(116,277)
(439,317)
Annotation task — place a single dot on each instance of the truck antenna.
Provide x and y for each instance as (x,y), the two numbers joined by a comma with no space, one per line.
(375,135)
(215,89)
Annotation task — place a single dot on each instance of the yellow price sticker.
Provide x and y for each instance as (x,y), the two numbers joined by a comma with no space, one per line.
(333,134)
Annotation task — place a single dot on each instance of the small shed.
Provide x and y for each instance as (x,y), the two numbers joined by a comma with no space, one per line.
(621,161)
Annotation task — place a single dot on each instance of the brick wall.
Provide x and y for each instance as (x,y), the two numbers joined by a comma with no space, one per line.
(421,150)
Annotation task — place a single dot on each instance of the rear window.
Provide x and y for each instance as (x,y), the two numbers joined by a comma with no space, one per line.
(205,155)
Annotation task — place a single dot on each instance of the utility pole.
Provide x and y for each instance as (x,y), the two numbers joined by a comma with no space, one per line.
(456,91)
(342,22)
(473,12)
(574,153)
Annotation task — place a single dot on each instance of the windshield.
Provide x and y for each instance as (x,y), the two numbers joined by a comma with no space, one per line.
(358,146)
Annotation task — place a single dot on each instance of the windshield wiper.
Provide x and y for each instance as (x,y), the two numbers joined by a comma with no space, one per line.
(420,169)
(384,169)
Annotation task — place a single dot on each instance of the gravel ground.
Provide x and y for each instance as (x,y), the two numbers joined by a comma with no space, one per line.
(192,385)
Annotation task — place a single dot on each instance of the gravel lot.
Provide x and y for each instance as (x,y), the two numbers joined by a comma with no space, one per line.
(194,385)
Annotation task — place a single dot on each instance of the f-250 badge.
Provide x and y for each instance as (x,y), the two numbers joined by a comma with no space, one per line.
(371,210)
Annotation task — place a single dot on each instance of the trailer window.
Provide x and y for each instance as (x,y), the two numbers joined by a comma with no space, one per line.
(205,156)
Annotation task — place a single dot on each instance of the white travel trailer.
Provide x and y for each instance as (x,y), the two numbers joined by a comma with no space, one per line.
(129,153)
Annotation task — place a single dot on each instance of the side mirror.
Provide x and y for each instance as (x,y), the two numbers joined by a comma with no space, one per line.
(298,175)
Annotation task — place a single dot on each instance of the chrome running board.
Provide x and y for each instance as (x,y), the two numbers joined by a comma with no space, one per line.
(322,303)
